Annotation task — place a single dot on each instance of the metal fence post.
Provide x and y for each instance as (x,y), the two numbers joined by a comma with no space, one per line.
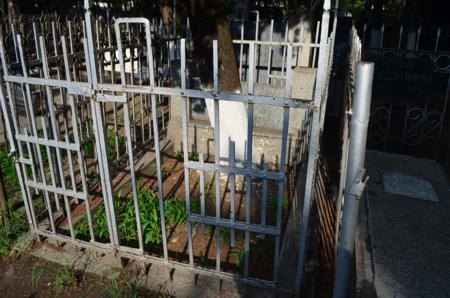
(356,156)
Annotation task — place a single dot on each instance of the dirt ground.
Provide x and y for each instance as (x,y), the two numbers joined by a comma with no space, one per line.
(28,276)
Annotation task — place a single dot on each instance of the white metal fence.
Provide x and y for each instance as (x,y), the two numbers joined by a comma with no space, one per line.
(83,137)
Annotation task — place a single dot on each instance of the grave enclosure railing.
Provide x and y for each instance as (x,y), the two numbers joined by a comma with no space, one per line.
(85,106)
(413,126)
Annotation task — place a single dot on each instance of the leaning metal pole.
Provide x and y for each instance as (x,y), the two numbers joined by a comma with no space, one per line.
(354,183)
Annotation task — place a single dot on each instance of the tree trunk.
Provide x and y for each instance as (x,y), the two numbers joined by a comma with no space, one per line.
(209,22)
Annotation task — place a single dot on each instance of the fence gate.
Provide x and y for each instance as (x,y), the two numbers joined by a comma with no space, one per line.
(89,149)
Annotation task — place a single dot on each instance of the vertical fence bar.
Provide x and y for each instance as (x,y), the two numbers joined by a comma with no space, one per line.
(55,130)
(113,81)
(269,59)
(316,39)
(400,36)
(438,35)
(300,47)
(77,141)
(241,50)
(202,185)
(186,155)
(364,33)
(128,137)
(36,43)
(29,109)
(286,38)
(249,160)
(419,31)
(99,125)
(232,154)
(284,137)
(108,198)
(264,198)
(357,151)
(314,142)
(217,146)
(22,181)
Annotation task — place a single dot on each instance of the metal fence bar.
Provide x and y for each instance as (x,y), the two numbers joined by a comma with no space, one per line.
(77,141)
(104,177)
(285,130)
(129,144)
(23,180)
(217,147)
(186,156)
(236,225)
(315,41)
(44,142)
(99,124)
(232,163)
(249,159)
(156,136)
(27,95)
(241,50)
(30,117)
(201,159)
(234,97)
(269,61)
(255,173)
(264,198)
(112,75)
(286,38)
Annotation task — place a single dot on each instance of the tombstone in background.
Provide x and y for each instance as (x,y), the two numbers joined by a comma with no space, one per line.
(268,120)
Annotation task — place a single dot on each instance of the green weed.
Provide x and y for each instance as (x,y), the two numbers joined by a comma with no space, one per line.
(61,278)
(195,206)
(11,230)
(258,252)
(273,207)
(175,212)
(120,287)
(179,155)
(8,169)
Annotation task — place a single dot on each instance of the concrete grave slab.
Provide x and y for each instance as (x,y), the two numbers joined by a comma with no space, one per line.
(401,247)
(409,186)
